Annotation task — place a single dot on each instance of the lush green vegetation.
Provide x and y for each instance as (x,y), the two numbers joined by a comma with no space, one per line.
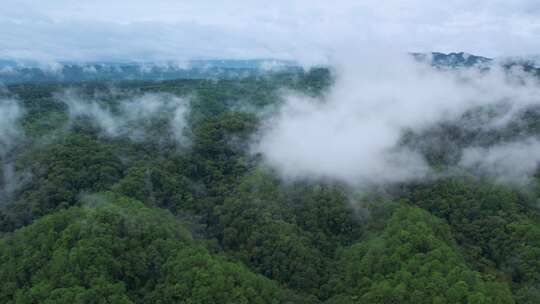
(112,219)
(116,250)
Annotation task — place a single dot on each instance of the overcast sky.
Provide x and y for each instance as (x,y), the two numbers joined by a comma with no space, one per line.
(305,30)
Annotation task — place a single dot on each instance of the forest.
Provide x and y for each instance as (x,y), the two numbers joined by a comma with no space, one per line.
(142,191)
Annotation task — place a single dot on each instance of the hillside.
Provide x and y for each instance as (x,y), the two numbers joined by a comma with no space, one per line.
(150,191)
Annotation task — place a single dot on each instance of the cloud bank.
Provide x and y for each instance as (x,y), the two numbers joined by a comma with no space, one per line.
(352,133)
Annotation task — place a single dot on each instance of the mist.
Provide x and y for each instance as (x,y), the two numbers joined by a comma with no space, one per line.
(129,116)
(511,163)
(10,130)
(352,133)
(11,133)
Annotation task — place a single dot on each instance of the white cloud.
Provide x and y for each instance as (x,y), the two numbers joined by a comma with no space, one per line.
(302,29)
(352,133)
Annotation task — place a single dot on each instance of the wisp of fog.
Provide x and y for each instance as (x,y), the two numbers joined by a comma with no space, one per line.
(10,131)
(131,113)
(10,134)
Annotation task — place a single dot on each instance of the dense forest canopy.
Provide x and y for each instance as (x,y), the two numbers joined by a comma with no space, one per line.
(151,192)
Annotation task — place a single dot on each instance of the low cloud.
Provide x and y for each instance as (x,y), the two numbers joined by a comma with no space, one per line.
(130,116)
(352,133)
(513,162)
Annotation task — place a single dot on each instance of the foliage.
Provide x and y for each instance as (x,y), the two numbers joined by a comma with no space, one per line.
(113,249)
(205,221)
(413,261)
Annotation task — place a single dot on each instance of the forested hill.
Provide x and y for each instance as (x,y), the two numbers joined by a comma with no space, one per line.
(149,192)
(20,72)
(15,72)
(453,60)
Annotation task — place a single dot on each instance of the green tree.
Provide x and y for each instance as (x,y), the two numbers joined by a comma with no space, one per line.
(414,260)
(116,250)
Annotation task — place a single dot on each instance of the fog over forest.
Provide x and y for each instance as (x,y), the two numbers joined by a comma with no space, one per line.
(284,152)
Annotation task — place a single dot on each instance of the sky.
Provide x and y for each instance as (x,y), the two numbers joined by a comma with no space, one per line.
(302,30)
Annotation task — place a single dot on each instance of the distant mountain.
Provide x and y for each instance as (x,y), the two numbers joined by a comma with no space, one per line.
(531,61)
(453,60)
(12,72)
(21,72)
